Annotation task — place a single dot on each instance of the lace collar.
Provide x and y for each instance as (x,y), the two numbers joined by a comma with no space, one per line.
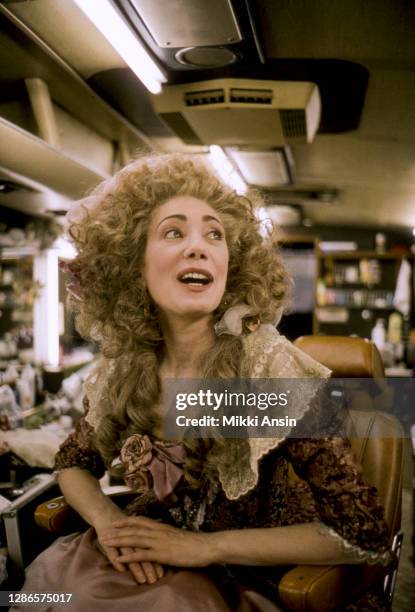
(272,356)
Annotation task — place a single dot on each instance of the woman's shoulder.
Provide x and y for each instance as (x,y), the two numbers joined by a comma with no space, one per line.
(274,356)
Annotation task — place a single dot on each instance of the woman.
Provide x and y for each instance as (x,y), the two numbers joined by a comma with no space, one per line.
(173,280)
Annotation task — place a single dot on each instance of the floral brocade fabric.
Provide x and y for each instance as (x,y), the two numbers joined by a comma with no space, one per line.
(78,449)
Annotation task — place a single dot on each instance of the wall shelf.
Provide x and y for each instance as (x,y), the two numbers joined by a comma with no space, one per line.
(358,287)
(361,255)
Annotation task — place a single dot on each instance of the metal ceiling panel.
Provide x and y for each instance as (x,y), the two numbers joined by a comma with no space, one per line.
(189,23)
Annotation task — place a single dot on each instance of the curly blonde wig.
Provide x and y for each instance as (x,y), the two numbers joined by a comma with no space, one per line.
(117,312)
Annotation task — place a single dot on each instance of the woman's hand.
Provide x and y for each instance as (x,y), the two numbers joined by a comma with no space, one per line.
(159,543)
(145,572)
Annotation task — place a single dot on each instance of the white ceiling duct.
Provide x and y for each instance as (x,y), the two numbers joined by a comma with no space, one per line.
(241,112)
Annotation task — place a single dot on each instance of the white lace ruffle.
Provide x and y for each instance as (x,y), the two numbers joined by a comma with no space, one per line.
(273,356)
(96,389)
(357,554)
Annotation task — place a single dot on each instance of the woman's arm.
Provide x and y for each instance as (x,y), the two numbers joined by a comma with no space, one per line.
(346,504)
(82,492)
(295,544)
(352,527)
(292,545)
(80,465)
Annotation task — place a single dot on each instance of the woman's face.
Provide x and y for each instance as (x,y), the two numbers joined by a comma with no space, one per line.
(186,258)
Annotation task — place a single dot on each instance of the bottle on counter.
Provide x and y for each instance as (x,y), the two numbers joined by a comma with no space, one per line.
(26,387)
(321,293)
(379,334)
(10,412)
(395,328)
(29,374)
(395,335)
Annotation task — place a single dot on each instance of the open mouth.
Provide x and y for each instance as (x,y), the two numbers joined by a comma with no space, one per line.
(196,279)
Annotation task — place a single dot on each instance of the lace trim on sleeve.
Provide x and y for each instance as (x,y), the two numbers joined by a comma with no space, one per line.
(356,553)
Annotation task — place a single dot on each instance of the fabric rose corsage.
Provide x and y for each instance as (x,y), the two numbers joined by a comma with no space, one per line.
(152,465)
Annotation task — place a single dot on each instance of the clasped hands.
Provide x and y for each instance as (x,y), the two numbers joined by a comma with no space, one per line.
(149,544)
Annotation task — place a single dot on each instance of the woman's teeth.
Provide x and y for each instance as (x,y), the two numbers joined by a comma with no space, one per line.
(195,278)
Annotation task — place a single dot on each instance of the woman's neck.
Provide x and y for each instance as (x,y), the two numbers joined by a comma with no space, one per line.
(185,343)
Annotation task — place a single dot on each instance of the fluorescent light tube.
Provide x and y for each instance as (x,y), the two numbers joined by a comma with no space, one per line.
(109,22)
(46,308)
(64,248)
(225,169)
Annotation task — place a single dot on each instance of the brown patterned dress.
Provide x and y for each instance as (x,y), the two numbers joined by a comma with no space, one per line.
(332,491)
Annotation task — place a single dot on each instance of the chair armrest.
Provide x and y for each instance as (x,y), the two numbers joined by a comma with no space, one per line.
(319,588)
(58,517)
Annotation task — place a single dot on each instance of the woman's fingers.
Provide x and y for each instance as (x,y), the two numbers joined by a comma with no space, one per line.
(139,521)
(112,554)
(137,556)
(145,571)
(141,540)
(159,570)
(134,567)
(150,571)
(128,532)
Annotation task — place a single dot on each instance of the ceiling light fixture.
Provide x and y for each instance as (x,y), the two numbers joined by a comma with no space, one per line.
(226,170)
(268,169)
(109,22)
(271,216)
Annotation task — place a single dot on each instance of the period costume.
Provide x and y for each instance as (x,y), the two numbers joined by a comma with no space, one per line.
(253,489)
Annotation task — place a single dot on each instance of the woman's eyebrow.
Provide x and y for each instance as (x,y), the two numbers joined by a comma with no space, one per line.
(184,218)
(175,216)
(210,218)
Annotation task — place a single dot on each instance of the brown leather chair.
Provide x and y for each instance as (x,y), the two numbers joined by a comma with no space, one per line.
(380,453)
(346,357)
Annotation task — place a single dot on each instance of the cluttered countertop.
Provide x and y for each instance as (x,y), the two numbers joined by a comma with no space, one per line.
(33,423)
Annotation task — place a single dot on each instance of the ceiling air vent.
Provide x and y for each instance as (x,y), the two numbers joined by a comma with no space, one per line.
(209,96)
(293,123)
(251,96)
(241,112)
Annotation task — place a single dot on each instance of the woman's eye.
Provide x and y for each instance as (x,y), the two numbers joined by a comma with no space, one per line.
(173,233)
(215,234)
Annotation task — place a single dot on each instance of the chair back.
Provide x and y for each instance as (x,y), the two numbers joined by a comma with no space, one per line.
(379,447)
(346,357)
(380,453)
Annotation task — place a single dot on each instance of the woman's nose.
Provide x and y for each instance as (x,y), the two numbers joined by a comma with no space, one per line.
(195,248)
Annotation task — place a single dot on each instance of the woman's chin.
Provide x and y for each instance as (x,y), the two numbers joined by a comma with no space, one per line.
(192,311)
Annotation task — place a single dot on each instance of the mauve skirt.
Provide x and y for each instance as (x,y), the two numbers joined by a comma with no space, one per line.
(74,564)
